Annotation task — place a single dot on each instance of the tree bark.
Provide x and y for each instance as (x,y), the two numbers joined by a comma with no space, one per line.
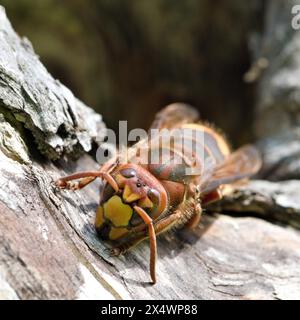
(278,101)
(30,98)
(49,247)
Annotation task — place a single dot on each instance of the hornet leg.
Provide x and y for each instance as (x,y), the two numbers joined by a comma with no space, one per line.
(86,178)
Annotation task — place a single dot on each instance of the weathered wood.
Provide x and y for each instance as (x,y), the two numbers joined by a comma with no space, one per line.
(30,97)
(281,155)
(49,247)
(278,99)
(276,201)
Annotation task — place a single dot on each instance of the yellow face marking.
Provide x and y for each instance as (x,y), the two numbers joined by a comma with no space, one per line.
(130,196)
(145,203)
(116,233)
(120,180)
(99,217)
(117,212)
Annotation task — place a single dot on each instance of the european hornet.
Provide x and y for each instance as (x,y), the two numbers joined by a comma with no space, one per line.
(140,201)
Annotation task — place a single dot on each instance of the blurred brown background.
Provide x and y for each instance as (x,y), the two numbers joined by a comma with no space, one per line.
(127,59)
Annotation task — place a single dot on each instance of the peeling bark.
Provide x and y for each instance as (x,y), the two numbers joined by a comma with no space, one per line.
(60,123)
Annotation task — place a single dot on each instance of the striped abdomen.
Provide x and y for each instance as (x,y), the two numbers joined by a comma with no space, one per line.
(195,149)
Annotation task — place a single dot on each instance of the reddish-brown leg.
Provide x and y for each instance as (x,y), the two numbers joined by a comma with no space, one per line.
(152,238)
(89,176)
(195,218)
(206,199)
(76,185)
(159,227)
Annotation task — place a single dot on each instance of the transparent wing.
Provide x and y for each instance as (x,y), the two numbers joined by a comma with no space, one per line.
(170,117)
(174,115)
(241,164)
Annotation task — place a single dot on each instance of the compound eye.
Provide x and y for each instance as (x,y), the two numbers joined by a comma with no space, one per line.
(128,173)
(154,196)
